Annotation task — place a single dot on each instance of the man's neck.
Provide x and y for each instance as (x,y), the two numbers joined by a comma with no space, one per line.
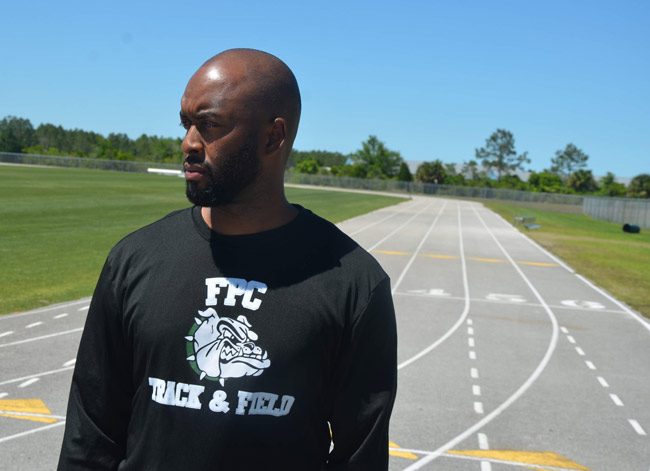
(239,218)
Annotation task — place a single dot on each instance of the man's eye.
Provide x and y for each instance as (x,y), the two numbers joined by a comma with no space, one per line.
(209,125)
(185,123)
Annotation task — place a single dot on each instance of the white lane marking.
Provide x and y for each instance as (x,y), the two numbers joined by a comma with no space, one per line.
(554,307)
(42,337)
(478,407)
(470,342)
(70,362)
(570,339)
(629,311)
(44,309)
(582,304)
(398,228)
(29,432)
(535,244)
(470,331)
(483,442)
(28,382)
(523,388)
(590,365)
(4,334)
(476,390)
(59,316)
(472,355)
(636,426)
(486,466)
(466,307)
(372,224)
(418,248)
(580,351)
(470,321)
(3,394)
(616,400)
(564,330)
(508,298)
(32,414)
(83,308)
(44,373)
(473,373)
(602,382)
(33,324)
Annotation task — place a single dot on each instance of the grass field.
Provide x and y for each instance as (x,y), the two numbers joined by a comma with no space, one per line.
(599,250)
(57,225)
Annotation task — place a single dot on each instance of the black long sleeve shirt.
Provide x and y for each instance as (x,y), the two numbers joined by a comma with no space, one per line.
(210,352)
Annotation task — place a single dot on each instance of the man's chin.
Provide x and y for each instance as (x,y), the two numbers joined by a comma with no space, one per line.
(206,198)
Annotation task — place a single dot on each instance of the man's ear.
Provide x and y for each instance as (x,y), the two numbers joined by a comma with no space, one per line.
(276,136)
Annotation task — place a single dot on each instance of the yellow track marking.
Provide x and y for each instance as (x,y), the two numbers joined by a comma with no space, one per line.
(487,260)
(540,458)
(26,409)
(440,256)
(539,264)
(476,259)
(394,451)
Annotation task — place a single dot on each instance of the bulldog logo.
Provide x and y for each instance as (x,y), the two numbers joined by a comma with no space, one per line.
(220,347)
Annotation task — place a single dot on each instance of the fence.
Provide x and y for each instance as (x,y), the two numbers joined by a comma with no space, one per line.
(81,162)
(621,210)
(433,189)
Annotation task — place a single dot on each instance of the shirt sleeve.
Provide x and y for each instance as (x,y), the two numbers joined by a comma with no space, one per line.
(100,396)
(365,388)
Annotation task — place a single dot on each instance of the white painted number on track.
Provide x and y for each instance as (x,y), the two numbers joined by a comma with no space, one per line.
(430,292)
(582,304)
(510,298)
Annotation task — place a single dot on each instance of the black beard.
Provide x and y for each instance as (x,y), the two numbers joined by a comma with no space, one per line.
(227,178)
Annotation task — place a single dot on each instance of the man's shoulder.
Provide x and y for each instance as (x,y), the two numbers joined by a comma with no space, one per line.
(151,236)
(332,241)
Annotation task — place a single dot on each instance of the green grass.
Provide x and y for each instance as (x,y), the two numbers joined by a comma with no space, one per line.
(599,250)
(57,225)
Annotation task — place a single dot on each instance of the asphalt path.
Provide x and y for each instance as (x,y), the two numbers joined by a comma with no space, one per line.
(508,359)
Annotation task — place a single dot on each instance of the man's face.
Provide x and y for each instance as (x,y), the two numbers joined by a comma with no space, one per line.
(220,144)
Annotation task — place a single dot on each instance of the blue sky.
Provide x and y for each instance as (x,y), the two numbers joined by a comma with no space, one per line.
(431,79)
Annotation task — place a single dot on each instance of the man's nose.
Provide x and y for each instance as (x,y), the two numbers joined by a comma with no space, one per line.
(192,141)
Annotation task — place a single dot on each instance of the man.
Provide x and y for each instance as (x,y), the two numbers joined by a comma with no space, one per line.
(232,335)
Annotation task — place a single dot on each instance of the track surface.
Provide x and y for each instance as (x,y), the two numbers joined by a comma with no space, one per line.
(508,360)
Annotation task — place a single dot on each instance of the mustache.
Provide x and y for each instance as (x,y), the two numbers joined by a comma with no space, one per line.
(195,160)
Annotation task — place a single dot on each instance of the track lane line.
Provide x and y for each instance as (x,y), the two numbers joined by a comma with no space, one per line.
(29,432)
(418,248)
(466,307)
(523,388)
(637,317)
(44,309)
(368,226)
(36,375)
(42,337)
(398,228)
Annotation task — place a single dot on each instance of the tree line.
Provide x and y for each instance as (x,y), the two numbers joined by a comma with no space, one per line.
(19,135)
(495,165)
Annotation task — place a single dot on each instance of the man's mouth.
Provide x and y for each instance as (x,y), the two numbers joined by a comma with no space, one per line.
(193,172)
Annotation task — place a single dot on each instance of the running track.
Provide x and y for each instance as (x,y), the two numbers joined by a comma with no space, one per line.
(507,358)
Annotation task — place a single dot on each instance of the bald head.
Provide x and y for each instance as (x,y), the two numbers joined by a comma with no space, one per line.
(263,86)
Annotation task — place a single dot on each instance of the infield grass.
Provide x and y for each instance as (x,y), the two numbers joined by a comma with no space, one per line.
(57,225)
(599,250)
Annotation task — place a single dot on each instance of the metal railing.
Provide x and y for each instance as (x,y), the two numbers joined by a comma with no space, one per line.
(82,162)
(432,189)
(621,210)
